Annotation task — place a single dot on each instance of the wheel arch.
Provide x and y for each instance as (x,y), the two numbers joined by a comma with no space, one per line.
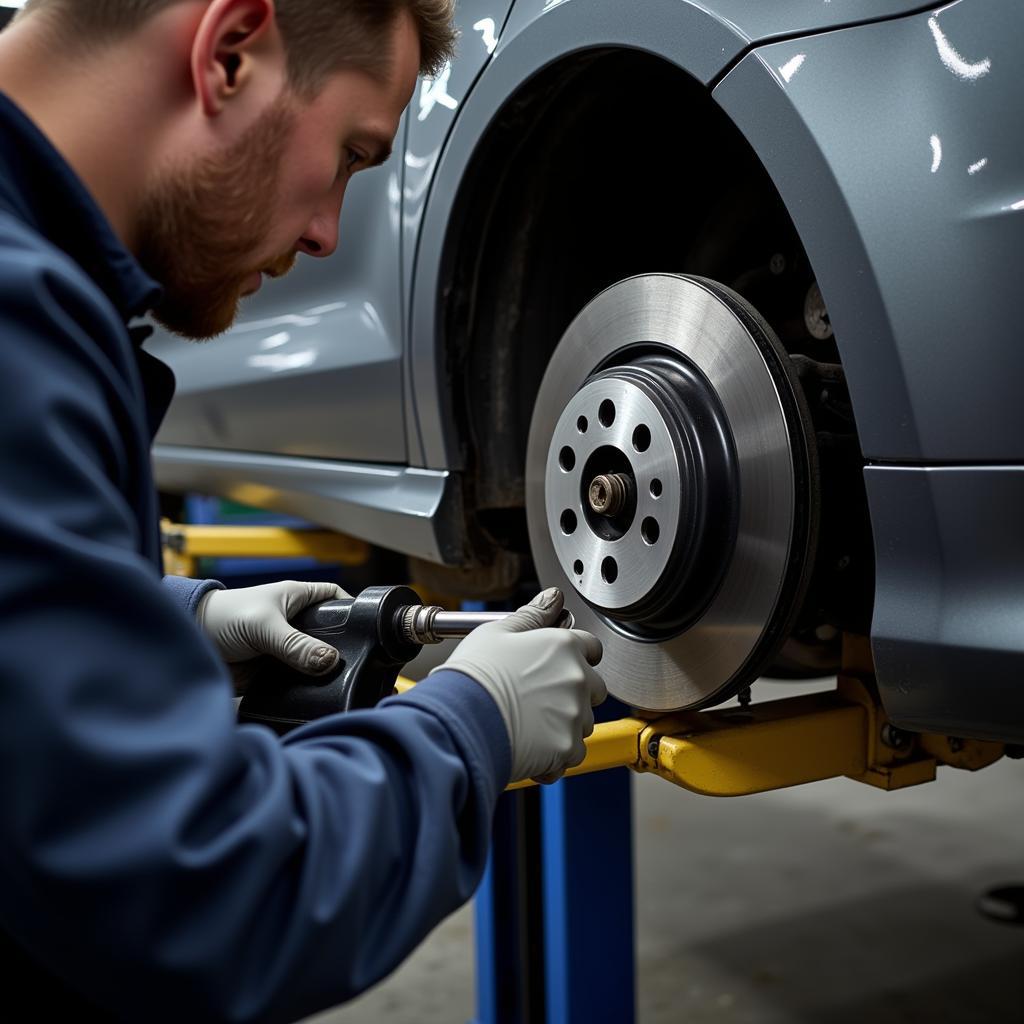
(575,182)
(707,50)
(546,218)
(701,46)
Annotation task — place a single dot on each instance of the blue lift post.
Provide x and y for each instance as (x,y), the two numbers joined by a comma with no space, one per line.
(509,917)
(555,913)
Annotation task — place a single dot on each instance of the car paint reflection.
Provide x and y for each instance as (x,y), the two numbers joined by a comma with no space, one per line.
(434,91)
(949,56)
(792,66)
(488,33)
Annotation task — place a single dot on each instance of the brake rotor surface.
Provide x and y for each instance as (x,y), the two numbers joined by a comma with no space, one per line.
(669,488)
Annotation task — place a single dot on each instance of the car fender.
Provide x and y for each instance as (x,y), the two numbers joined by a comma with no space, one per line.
(703,39)
(896,148)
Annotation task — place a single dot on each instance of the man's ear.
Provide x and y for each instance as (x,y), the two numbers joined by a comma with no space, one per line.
(232,40)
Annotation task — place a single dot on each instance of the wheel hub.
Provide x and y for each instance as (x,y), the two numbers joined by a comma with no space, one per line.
(669,488)
(640,489)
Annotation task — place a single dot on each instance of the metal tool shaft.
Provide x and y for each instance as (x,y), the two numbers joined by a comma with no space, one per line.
(430,624)
(453,625)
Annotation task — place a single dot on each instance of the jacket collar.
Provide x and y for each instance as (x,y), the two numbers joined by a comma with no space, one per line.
(38,186)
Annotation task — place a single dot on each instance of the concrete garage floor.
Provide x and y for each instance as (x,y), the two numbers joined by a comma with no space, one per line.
(832,903)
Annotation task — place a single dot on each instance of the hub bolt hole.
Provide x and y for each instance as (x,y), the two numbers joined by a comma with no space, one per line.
(567,459)
(609,570)
(568,522)
(641,438)
(582,424)
(606,413)
(650,530)
(655,488)
(577,567)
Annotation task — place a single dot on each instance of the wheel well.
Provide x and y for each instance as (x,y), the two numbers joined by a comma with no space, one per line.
(609,163)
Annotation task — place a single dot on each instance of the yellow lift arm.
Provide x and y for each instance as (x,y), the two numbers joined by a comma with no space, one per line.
(781,743)
(184,545)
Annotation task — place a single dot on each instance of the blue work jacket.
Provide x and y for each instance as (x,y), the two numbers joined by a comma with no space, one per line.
(157,860)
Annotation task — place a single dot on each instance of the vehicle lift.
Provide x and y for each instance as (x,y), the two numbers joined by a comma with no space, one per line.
(557,894)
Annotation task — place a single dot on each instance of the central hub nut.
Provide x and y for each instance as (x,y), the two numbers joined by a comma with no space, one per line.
(608,494)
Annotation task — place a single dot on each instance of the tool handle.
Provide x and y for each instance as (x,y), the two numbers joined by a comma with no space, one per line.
(371,648)
(375,634)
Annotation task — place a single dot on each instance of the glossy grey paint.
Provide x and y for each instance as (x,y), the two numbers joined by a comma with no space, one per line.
(947,634)
(407,510)
(313,368)
(729,26)
(701,38)
(760,22)
(899,153)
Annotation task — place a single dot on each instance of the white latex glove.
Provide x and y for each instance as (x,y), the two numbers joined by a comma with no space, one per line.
(247,623)
(542,681)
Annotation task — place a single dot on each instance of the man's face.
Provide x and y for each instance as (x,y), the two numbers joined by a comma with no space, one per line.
(211,229)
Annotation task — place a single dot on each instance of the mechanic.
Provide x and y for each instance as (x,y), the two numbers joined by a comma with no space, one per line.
(158,860)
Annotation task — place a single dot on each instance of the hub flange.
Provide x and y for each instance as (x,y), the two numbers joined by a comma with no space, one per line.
(641,491)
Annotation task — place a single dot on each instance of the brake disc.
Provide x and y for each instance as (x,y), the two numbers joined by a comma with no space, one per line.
(671,480)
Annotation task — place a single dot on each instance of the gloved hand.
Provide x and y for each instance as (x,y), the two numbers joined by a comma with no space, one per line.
(247,623)
(542,681)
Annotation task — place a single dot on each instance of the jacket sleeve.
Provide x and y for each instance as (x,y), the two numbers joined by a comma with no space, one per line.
(152,852)
(187,593)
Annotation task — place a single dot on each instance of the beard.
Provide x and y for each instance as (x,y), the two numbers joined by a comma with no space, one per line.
(201,226)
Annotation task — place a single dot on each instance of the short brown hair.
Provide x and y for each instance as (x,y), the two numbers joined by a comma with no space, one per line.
(321,35)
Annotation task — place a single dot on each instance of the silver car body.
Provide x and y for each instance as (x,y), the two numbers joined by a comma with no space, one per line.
(891,132)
